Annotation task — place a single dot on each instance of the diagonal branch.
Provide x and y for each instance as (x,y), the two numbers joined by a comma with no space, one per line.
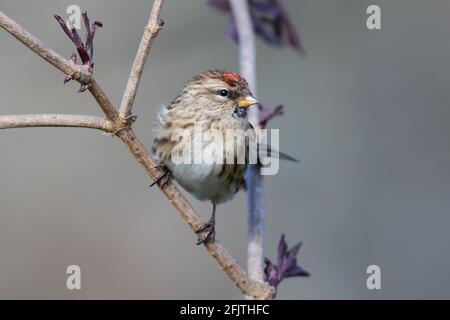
(187,212)
(122,128)
(150,33)
(55,120)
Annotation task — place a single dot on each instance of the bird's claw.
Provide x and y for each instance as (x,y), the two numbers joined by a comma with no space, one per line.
(67,79)
(164,177)
(83,88)
(210,235)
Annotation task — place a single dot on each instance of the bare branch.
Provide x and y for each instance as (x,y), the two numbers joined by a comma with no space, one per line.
(55,120)
(104,102)
(122,129)
(187,212)
(255,187)
(150,34)
(76,72)
(66,66)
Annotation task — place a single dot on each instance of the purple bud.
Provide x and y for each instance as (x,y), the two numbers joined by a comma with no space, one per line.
(286,264)
(85,49)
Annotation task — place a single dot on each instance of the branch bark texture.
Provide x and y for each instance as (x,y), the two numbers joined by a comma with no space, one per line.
(150,33)
(55,120)
(119,124)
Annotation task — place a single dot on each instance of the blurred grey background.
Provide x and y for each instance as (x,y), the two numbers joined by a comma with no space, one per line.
(366,111)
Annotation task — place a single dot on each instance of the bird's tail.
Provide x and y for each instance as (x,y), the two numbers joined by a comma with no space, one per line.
(277,154)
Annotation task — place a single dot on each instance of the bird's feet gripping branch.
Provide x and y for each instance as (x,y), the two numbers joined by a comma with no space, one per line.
(163,178)
(207,232)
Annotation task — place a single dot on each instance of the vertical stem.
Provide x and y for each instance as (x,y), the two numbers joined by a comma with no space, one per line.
(247,47)
(255,189)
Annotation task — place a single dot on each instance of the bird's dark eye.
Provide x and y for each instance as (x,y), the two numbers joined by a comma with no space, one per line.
(223,92)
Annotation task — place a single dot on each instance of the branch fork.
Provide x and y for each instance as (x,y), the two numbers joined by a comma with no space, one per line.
(118,122)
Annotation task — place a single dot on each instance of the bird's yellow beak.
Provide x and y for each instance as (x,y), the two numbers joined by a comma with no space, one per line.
(247,102)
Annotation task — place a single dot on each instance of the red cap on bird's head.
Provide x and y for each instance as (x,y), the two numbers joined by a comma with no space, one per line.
(232,78)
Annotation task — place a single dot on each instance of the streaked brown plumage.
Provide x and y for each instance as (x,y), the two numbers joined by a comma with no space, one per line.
(218,100)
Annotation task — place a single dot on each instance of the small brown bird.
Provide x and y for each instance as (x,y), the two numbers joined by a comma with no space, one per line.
(217,99)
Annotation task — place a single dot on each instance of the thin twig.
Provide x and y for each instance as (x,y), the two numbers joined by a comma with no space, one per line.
(76,72)
(127,135)
(150,33)
(55,120)
(255,187)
